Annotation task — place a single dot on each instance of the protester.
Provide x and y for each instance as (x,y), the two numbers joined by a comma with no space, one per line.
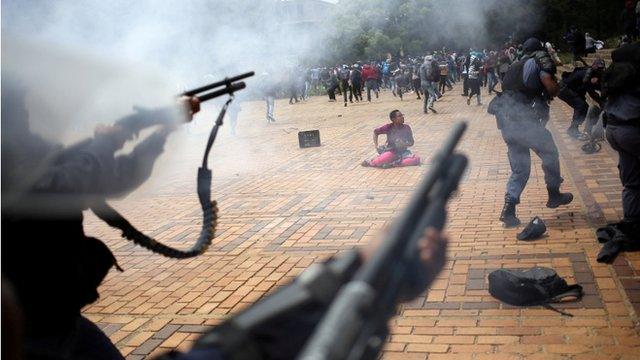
(444,75)
(415,79)
(269,93)
(576,41)
(574,87)
(464,66)
(429,72)
(344,75)
(396,150)
(474,80)
(489,68)
(356,84)
(332,84)
(232,111)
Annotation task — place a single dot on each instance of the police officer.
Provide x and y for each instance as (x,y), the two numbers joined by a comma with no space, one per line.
(528,87)
(622,112)
(53,265)
(574,88)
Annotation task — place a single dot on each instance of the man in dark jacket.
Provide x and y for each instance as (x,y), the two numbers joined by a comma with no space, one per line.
(356,83)
(573,90)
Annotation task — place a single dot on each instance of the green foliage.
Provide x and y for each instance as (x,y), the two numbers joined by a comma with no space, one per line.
(370,29)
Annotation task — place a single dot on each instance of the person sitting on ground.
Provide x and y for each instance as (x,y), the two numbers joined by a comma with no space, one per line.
(399,139)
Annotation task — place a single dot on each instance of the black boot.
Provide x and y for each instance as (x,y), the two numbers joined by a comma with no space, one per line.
(508,214)
(556,198)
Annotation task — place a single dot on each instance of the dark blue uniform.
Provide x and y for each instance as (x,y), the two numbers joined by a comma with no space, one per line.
(523,129)
(522,112)
(623,133)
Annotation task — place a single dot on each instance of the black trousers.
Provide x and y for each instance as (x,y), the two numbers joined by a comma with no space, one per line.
(625,139)
(345,87)
(356,90)
(332,91)
(416,86)
(465,84)
(577,103)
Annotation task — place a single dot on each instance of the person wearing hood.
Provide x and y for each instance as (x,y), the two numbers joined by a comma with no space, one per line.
(429,75)
(522,112)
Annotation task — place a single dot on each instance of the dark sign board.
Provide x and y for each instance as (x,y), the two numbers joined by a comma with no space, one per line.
(309,138)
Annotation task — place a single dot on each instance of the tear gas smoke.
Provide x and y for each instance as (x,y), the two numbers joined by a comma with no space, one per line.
(91,61)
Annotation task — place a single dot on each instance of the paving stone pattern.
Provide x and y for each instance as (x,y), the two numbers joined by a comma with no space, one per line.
(283,208)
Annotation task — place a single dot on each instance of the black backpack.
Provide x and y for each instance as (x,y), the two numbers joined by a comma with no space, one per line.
(536,286)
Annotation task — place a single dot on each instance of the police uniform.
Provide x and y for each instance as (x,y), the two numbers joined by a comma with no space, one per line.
(522,118)
(623,134)
(54,266)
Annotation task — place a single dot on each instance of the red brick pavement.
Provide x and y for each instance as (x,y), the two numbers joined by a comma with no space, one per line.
(283,208)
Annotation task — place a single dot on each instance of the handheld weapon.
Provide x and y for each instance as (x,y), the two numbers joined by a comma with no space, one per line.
(353,324)
(209,208)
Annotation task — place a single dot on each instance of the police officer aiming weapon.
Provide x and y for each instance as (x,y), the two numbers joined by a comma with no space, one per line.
(340,309)
(54,267)
(209,209)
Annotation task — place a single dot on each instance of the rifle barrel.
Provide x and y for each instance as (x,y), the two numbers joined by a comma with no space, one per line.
(401,230)
(218,84)
(227,90)
(345,331)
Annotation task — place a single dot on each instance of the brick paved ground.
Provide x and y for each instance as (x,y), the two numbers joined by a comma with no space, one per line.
(283,208)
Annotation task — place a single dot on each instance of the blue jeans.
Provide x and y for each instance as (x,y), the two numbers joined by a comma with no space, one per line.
(270,105)
(521,137)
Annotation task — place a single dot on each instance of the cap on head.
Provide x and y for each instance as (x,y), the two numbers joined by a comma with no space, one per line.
(531,45)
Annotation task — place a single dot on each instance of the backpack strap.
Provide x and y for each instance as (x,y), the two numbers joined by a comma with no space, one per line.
(572,291)
(548,306)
